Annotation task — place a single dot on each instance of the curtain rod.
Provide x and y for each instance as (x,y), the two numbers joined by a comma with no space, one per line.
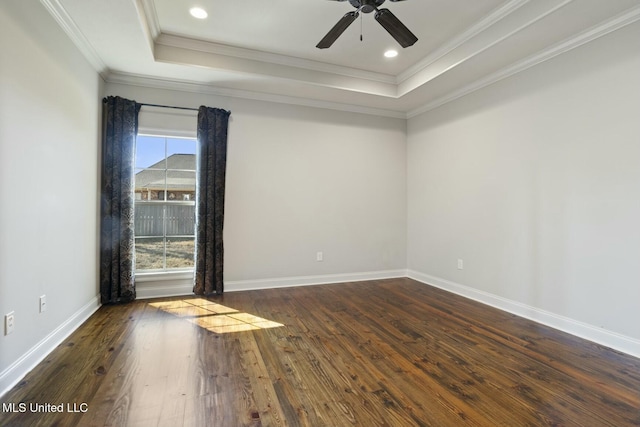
(170,106)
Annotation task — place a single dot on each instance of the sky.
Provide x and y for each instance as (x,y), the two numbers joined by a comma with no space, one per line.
(151,149)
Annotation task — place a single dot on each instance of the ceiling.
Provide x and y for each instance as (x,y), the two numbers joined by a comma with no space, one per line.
(262,49)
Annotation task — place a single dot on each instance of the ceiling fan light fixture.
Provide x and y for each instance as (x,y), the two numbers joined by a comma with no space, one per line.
(391,53)
(198,12)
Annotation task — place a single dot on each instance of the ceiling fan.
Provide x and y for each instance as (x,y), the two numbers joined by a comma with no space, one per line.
(384,16)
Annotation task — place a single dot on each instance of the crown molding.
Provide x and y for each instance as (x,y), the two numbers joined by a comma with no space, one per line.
(486,22)
(628,17)
(276,72)
(181,42)
(151,25)
(148,21)
(57,11)
(151,21)
(440,69)
(187,86)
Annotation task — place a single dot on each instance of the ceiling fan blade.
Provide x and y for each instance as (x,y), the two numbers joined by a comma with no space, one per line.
(337,30)
(396,28)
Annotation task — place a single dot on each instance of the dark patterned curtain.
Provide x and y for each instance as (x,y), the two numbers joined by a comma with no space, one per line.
(117,266)
(210,181)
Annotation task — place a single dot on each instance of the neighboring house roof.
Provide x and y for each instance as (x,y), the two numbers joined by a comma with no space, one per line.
(177,177)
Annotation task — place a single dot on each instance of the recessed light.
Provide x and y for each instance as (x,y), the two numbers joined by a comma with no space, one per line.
(198,12)
(391,53)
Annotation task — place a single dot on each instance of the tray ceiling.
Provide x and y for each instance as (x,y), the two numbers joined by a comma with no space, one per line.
(266,49)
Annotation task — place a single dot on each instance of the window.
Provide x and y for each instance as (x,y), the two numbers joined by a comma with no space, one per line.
(165,187)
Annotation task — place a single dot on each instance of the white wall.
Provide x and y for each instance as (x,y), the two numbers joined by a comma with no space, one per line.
(49,133)
(302,180)
(535,183)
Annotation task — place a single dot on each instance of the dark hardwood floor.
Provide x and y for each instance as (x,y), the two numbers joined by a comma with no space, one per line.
(381,353)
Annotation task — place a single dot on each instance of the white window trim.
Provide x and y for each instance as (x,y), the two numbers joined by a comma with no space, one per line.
(163,122)
(164,284)
(172,125)
(159,121)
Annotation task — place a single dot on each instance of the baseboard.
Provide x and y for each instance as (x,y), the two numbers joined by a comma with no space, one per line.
(21,367)
(583,330)
(176,288)
(285,282)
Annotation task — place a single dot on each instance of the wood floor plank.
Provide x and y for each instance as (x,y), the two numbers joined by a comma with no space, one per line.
(450,395)
(565,378)
(549,381)
(380,353)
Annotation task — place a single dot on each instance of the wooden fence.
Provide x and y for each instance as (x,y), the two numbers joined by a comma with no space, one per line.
(179,220)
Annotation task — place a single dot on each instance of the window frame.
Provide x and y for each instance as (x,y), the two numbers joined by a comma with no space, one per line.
(165,273)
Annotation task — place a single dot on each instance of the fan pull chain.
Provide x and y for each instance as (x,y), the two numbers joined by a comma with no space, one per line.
(360,27)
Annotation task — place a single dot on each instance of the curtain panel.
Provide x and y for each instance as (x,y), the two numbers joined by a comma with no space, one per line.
(117,262)
(210,187)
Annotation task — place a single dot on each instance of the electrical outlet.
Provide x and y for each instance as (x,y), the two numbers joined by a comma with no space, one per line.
(9,323)
(460,264)
(43,303)
(319,256)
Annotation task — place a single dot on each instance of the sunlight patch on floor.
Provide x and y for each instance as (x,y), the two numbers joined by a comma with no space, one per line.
(214,317)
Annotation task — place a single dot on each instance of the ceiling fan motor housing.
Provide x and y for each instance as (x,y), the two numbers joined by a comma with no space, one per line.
(366,6)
